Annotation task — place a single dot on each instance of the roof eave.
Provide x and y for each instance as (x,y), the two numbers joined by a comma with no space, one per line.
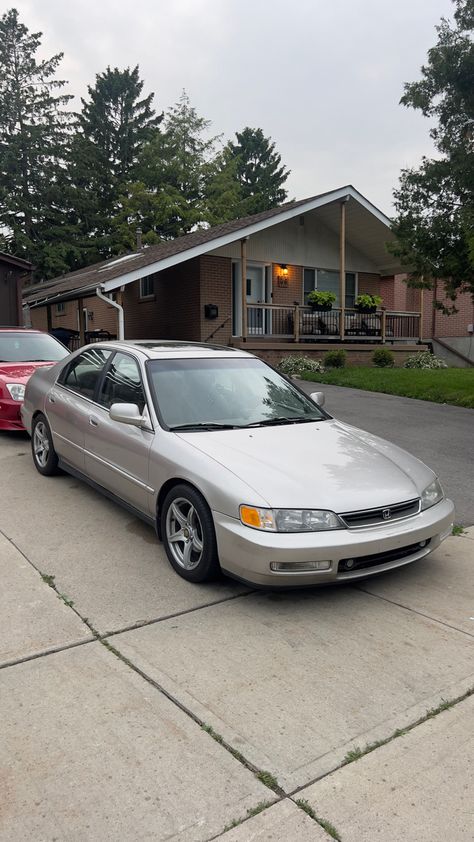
(246,231)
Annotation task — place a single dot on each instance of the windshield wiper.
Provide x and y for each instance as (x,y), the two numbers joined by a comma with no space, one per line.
(273,422)
(207,425)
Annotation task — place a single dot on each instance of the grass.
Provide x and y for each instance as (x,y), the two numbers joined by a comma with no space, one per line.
(254,811)
(446,704)
(445,385)
(458,529)
(327,826)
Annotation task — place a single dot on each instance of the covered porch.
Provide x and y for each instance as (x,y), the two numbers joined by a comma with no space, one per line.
(300,324)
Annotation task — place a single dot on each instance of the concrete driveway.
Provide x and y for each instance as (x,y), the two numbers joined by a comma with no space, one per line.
(439,434)
(134,705)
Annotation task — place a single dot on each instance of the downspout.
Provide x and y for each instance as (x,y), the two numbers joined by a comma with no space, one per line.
(121,320)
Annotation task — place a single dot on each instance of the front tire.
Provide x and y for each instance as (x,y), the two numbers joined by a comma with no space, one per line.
(188,534)
(42,449)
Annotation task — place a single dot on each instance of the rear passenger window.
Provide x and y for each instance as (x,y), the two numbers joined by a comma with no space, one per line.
(82,374)
(122,383)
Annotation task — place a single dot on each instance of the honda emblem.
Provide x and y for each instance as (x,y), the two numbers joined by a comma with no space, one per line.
(386,514)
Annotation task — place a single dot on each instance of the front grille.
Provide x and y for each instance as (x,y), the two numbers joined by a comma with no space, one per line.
(372,517)
(380,558)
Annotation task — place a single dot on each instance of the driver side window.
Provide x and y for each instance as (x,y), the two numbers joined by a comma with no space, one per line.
(122,383)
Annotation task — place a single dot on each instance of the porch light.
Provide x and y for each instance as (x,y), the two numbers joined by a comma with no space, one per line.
(283,269)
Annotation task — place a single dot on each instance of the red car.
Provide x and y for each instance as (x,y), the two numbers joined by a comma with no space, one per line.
(22,351)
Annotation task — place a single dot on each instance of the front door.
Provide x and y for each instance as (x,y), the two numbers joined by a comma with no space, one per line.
(116,454)
(255,295)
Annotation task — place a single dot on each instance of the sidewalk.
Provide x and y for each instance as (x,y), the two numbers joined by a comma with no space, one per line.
(135,706)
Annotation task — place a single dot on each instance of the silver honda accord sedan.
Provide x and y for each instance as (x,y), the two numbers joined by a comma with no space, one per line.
(235,466)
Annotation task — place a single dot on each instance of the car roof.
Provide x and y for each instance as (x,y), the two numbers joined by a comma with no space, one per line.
(170,349)
(10,329)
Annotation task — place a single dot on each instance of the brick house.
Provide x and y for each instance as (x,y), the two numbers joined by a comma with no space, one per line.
(14,272)
(247,282)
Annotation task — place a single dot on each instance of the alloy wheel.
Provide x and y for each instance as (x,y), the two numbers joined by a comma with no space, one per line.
(41,444)
(184,533)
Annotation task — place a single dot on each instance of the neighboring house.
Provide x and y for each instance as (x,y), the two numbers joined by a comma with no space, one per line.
(14,273)
(452,335)
(246,282)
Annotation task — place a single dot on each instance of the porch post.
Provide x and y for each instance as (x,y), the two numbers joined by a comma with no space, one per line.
(421,314)
(342,267)
(243,267)
(82,325)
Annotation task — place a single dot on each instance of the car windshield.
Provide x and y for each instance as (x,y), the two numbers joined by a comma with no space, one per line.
(30,347)
(200,394)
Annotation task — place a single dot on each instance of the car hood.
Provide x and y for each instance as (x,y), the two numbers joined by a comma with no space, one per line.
(326,464)
(19,372)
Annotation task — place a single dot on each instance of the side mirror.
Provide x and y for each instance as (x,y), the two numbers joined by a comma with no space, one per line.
(126,413)
(318,397)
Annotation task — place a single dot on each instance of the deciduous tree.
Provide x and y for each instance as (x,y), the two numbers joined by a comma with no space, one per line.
(435,201)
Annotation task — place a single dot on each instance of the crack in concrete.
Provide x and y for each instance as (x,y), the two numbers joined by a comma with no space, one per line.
(44,653)
(414,611)
(260,774)
(142,623)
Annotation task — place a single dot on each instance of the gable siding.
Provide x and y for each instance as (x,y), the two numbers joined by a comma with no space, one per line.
(312,244)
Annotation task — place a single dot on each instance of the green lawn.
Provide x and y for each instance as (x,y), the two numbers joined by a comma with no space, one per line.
(445,385)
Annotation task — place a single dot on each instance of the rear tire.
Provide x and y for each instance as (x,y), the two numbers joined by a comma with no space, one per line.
(188,534)
(42,449)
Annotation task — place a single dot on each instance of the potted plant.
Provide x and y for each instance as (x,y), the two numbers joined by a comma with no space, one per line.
(366,303)
(319,300)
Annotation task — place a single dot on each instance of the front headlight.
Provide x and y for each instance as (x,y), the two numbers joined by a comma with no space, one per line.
(289,520)
(432,494)
(17,391)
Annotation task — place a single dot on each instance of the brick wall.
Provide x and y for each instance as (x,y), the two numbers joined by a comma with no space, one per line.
(287,288)
(360,356)
(104,317)
(39,318)
(444,326)
(369,283)
(216,288)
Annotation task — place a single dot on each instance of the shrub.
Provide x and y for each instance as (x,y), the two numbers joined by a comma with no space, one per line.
(424,360)
(335,359)
(367,300)
(295,365)
(383,358)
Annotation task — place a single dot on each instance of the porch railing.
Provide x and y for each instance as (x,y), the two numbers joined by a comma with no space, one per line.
(301,324)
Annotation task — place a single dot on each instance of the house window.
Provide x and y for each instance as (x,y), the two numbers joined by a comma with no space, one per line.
(147,286)
(328,281)
(60,307)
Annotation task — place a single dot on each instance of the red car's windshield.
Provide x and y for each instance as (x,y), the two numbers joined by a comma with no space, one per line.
(30,347)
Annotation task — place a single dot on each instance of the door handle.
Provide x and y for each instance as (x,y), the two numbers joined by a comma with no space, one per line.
(93,421)
(51,399)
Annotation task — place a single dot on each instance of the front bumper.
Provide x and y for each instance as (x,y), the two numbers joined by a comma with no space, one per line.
(247,553)
(10,418)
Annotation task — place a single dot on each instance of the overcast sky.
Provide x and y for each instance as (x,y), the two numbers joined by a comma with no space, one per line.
(323,78)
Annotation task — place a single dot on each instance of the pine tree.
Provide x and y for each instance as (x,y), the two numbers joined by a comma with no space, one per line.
(259,171)
(34,138)
(223,191)
(168,199)
(112,129)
